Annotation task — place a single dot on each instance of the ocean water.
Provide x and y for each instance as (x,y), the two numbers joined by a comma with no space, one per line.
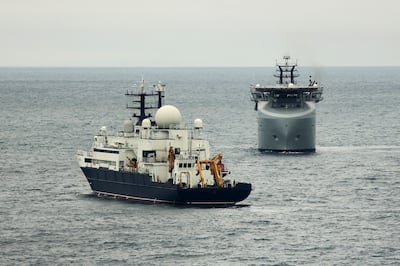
(338,206)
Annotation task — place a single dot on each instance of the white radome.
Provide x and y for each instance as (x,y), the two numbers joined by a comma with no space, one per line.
(167,116)
(146,123)
(198,123)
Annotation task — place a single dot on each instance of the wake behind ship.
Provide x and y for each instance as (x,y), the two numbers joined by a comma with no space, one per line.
(286,111)
(157,159)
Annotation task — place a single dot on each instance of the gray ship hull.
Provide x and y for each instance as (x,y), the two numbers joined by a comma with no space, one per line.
(286,129)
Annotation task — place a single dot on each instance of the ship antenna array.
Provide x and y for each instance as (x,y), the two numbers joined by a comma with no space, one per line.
(286,71)
(142,85)
(140,102)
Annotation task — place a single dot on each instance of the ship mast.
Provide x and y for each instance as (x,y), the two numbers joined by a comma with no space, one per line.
(140,103)
(286,71)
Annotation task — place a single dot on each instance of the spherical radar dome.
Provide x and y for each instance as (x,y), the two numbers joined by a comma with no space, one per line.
(168,116)
(198,123)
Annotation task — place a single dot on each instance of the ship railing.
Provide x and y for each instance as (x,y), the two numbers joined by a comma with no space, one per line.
(258,96)
(314,96)
(153,160)
(183,126)
(285,87)
(186,157)
(84,153)
(194,133)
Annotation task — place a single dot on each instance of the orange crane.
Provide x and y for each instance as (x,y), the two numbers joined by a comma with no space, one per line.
(213,168)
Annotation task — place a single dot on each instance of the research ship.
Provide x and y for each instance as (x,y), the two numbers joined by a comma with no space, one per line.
(157,159)
(286,111)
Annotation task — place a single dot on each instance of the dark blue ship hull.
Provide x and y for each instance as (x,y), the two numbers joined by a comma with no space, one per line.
(139,187)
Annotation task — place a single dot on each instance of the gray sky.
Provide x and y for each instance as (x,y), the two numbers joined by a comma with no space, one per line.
(199,33)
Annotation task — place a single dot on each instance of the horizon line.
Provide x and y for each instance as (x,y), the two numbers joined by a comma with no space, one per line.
(195,66)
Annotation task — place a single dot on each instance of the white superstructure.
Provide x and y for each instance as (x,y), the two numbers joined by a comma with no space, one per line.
(165,149)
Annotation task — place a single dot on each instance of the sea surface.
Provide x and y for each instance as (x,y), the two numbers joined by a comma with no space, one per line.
(338,206)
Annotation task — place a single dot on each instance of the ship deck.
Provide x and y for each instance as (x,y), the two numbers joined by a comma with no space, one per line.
(286,88)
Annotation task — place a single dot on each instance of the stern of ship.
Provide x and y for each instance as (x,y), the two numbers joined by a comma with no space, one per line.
(215,196)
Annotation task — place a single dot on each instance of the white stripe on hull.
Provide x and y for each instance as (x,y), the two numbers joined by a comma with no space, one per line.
(149,200)
(119,196)
(291,129)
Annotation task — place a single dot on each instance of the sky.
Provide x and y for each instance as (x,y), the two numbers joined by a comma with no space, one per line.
(180,33)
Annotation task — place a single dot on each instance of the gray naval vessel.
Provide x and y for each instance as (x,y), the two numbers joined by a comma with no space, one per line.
(286,111)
